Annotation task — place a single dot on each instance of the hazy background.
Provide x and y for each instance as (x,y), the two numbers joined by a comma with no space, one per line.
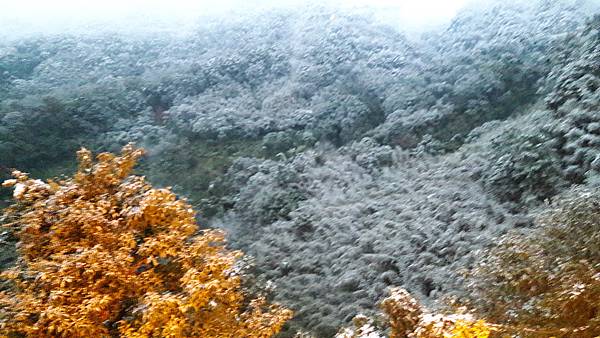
(39,16)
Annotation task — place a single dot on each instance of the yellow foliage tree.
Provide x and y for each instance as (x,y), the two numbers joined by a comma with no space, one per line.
(546,283)
(408,319)
(103,254)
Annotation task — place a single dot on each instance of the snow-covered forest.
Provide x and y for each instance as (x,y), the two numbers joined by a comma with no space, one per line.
(340,154)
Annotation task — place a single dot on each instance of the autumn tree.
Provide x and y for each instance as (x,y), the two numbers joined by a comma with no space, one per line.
(104,254)
(407,318)
(546,282)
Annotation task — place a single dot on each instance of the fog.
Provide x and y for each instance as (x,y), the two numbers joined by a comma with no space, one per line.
(25,17)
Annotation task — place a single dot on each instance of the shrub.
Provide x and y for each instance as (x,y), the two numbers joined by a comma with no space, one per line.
(408,319)
(105,254)
(546,283)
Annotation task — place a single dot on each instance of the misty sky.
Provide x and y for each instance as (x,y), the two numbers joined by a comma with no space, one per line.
(57,15)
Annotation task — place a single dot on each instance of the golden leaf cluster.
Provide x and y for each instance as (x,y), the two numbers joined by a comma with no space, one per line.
(408,319)
(103,254)
(547,283)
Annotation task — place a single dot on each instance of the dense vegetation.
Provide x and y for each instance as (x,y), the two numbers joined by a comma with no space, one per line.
(105,254)
(342,155)
(547,281)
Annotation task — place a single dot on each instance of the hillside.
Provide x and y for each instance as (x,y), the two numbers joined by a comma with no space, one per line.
(344,156)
